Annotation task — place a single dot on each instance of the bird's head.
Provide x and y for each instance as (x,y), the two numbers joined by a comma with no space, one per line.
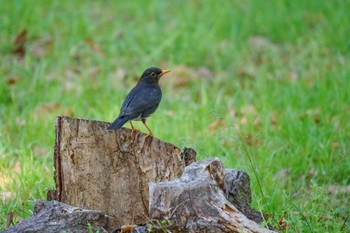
(153,74)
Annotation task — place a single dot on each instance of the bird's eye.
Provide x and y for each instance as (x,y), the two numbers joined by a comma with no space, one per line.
(153,74)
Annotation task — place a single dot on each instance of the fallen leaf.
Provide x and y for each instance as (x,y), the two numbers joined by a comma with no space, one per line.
(9,219)
(282,223)
(17,167)
(12,80)
(251,140)
(93,71)
(94,46)
(19,44)
(216,124)
(317,120)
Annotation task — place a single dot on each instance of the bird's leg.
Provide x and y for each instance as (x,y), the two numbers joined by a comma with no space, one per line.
(133,129)
(149,131)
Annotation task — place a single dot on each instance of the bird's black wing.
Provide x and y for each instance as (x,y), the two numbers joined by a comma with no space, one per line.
(141,100)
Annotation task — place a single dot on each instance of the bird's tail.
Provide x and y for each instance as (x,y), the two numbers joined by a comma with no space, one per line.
(118,123)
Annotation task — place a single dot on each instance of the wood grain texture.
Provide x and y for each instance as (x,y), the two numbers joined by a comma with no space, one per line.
(196,202)
(110,170)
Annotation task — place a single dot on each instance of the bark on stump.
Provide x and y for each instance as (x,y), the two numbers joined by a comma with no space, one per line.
(110,170)
(196,202)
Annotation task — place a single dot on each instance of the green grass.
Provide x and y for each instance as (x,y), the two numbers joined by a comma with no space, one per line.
(274,103)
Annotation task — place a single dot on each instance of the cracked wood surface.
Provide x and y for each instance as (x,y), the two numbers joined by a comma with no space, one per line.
(196,202)
(110,170)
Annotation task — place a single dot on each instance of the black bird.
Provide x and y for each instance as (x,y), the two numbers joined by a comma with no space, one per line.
(142,100)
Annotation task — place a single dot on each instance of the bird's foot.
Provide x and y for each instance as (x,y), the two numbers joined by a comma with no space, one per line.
(149,138)
(133,131)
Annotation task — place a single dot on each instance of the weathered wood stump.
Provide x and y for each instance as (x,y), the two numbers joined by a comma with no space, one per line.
(55,216)
(110,170)
(196,202)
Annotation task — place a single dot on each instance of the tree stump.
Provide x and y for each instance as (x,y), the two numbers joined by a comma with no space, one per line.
(196,202)
(110,170)
(55,216)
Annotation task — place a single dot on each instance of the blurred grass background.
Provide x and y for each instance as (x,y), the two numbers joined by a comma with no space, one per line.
(263,85)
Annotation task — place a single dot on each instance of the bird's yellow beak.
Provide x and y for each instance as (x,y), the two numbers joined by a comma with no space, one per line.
(164,72)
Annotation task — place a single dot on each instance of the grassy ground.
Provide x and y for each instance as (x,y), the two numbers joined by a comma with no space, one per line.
(262,85)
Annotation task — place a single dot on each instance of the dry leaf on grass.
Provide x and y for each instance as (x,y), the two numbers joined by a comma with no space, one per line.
(252,140)
(12,80)
(96,47)
(9,219)
(17,167)
(19,44)
(216,124)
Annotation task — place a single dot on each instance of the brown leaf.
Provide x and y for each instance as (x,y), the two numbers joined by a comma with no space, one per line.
(94,45)
(19,44)
(93,71)
(282,223)
(251,140)
(317,120)
(274,118)
(17,167)
(9,219)
(12,80)
(216,124)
